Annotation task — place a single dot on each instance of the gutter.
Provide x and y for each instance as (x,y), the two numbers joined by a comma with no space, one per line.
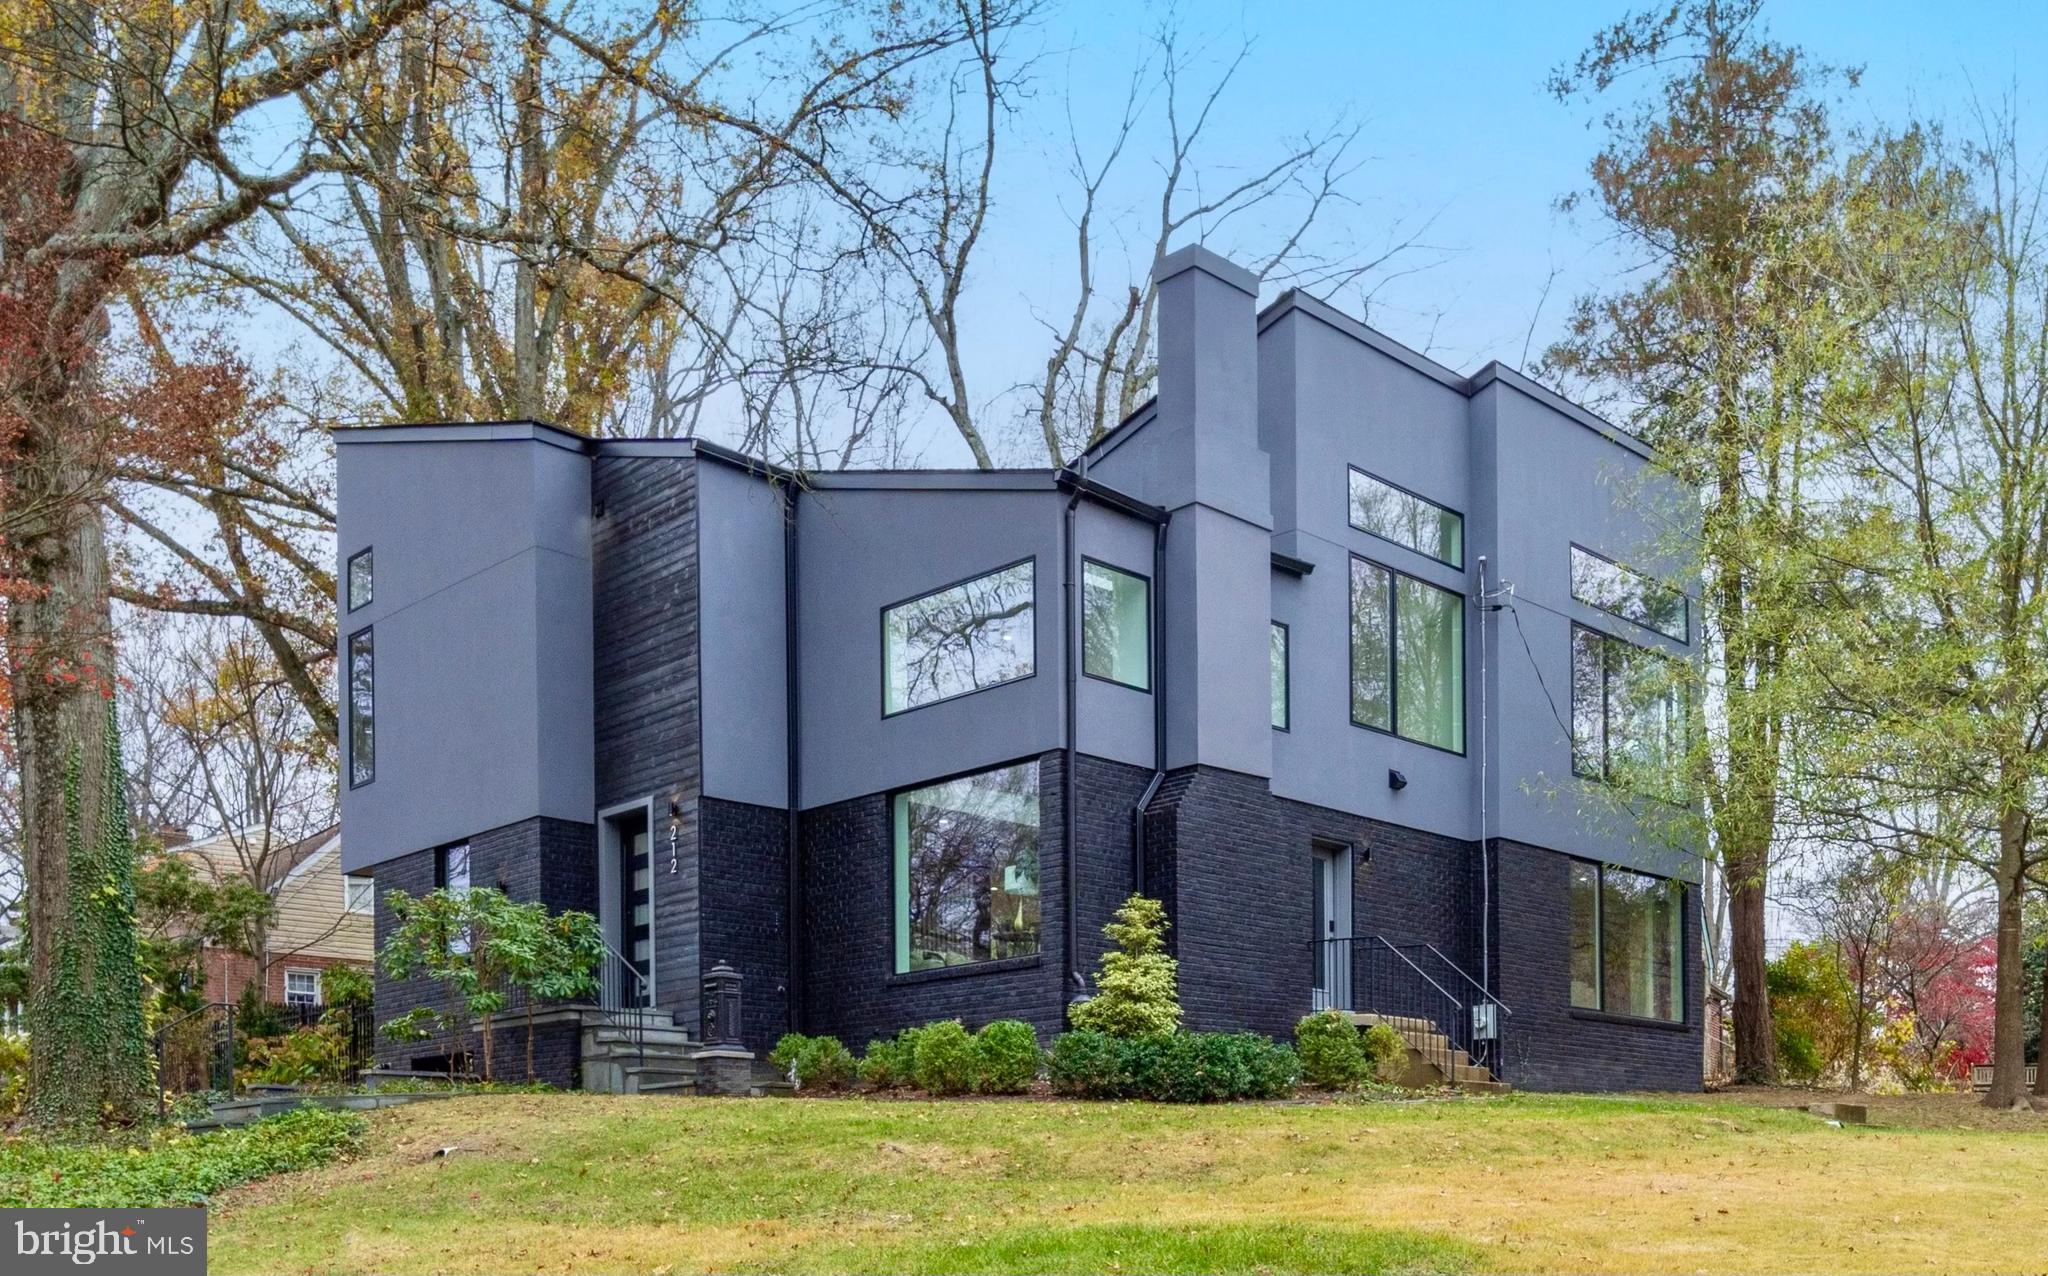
(793,762)
(1069,789)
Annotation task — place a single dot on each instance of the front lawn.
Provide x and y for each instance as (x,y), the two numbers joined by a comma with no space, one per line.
(578,1183)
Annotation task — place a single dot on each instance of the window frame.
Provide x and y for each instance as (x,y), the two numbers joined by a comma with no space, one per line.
(349,882)
(441,882)
(1608,641)
(1680,1001)
(897,935)
(1086,563)
(1286,674)
(1684,599)
(367,633)
(1458,514)
(1393,728)
(882,634)
(348,579)
(288,973)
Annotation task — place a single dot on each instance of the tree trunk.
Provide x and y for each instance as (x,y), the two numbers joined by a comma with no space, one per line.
(1756,1042)
(82,1066)
(2009,1031)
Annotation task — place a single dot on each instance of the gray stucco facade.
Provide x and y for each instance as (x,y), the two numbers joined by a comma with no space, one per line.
(592,633)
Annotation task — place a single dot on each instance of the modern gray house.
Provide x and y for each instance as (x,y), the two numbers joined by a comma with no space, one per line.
(1335,651)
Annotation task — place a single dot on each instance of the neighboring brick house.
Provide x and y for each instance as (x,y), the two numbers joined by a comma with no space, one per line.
(323,917)
(895,744)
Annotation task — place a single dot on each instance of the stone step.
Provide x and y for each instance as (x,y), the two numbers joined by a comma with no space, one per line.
(651,1036)
(631,1049)
(1399,1023)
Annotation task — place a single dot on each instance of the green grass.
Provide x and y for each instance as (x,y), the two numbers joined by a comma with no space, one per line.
(172,1168)
(589,1183)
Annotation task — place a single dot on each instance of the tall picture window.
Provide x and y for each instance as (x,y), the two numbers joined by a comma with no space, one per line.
(362,581)
(362,708)
(1628,715)
(1280,675)
(1116,625)
(1627,593)
(959,639)
(1407,657)
(967,871)
(1398,515)
(1627,942)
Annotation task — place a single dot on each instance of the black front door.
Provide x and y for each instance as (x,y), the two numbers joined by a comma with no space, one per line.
(636,901)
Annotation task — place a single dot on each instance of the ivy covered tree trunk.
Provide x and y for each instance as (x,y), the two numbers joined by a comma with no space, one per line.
(88,1052)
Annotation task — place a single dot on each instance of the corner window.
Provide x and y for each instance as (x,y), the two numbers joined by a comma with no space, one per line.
(358,894)
(361,579)
(1627,593)
(362,709)
(967,869)
(1396,514)
(1628,715)
(1407,657)
(1116,625)
(959,639)
(1280,672)
(1627,942)
(301,987)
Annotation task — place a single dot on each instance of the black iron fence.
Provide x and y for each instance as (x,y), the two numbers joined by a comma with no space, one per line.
(201,1049)
(1452,1018)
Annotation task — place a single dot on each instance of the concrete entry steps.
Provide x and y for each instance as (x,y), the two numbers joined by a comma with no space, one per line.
(1432,1059)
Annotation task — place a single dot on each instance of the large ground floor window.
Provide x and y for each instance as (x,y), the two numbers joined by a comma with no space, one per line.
(967,869)
(1627,942)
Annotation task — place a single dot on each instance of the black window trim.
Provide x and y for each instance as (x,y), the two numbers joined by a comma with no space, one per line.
(882,634)
(1105,564)
(1606,773)
(1459,514)
(988,965)
(1600,868)
(348,579)
(1684,599)
(441,863)
(1393,671)
(1286,673)
(348,689)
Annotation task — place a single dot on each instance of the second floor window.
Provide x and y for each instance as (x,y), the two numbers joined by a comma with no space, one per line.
(1628,715)
(1116,625)
(962,638)
(1407,657)
(362,709)
(1627,593)
(1398,515)
(1279,673)
(362,581)
(358,894)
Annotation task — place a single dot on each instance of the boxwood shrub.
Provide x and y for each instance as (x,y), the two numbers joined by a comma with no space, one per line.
(818,1063)
(1006,1057)
(1175,1067)
(942,1057)
(891,1063)
(1332,1053)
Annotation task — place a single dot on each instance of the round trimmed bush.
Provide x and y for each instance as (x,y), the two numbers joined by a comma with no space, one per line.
(1006,1057)
(817,1063)
(1385,1051)
(1088,1065)
(888,1064)
(1332,1054)
(942,1058)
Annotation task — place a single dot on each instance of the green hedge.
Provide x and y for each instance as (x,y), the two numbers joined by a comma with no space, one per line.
(818,1063)
(173,1169)
(1176,1067)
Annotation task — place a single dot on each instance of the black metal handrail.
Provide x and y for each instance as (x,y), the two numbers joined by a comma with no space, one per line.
(623,996)
(1393,979)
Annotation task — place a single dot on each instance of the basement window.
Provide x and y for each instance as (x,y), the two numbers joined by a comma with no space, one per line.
(967,869)
(1627,942)
(959,639)
(1116,625)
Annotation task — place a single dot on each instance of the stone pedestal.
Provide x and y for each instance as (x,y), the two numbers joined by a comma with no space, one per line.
(724,1070)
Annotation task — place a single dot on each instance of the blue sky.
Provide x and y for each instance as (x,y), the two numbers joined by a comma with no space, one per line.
(1460,130)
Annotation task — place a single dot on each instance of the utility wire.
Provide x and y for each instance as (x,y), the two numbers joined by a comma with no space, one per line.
(1536,665)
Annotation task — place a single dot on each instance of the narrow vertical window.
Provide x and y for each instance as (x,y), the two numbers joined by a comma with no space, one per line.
(1585,934)
(451,874)
(362,709)
(362,581)
(1280,675)
(1372,648)
(1116,625)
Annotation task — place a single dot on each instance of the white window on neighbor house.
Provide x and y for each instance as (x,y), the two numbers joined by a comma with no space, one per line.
(301,987)
(959,639)
(358,894)
(1116,625)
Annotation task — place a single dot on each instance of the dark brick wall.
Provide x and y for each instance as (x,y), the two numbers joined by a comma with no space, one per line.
(1549,1045)
(745,886)
(646,701)
(548,860)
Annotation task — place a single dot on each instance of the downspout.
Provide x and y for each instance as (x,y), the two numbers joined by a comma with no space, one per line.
(1138,844)
(1069,789)
(793,761)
